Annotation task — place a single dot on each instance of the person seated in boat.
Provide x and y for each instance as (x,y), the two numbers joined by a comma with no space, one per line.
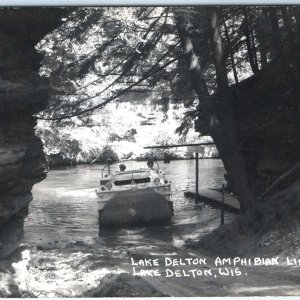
(150,164)
(122,167)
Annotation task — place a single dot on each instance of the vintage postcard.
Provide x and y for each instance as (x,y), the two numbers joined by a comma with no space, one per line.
(149,151)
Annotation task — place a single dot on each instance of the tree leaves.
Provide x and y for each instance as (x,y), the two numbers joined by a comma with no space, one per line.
(100,52)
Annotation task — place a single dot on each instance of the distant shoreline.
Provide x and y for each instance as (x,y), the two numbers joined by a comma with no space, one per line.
(71,165)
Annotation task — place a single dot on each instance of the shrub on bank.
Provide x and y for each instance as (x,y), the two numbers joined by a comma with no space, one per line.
(107,154)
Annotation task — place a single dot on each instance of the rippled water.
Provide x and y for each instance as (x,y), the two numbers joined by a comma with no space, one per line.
(64,206)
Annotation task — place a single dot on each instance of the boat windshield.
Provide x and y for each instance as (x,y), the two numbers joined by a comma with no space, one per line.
(131,172)
(137,180)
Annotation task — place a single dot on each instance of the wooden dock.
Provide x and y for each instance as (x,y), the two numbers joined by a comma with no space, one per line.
(214,198)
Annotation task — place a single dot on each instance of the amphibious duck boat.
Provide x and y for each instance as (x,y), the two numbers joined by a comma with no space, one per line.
(134,197)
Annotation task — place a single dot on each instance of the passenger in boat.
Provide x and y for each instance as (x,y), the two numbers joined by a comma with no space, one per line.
(150,164)
(122,167)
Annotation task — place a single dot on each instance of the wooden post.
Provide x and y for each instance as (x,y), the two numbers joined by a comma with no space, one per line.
(197,176)
(222,210)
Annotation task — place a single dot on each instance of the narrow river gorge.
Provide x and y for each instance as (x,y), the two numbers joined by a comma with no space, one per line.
(64,208)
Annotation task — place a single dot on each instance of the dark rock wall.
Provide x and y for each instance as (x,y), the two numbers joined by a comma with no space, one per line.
(267,110)
(22,94)
(267,120)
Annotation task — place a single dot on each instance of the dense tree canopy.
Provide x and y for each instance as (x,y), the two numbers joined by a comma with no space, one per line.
(102,52)
(185,54)
(98,53)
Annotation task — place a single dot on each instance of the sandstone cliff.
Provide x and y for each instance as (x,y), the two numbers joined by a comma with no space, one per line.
(22,94)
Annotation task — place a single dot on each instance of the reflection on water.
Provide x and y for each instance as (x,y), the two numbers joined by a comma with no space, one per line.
(64,207)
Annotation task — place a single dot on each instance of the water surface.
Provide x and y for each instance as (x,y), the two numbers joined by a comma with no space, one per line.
(64,207)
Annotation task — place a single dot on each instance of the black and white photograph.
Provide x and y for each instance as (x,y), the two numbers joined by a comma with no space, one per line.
(149,151)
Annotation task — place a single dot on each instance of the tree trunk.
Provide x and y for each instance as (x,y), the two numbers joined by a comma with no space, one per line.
(219,110)
(221,72)
(253,65)
(275,38)
(261,34)
(253,41)
(287,26)
(230,52)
